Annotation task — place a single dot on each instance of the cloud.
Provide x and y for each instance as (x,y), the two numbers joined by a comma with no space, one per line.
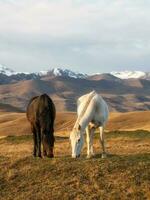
(87,35)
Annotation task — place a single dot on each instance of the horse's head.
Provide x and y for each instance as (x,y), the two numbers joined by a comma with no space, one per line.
(76,138)
(48,143)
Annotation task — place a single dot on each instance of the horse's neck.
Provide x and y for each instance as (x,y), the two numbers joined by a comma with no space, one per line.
(84,109)
(86,114)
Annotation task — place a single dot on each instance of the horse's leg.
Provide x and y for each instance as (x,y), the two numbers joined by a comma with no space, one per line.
(43,142)
(91,141)
(44,149)
(39,141)
(34,140)
(88,141)
(102,141)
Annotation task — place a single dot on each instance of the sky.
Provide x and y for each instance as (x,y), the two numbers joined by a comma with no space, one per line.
(87,36)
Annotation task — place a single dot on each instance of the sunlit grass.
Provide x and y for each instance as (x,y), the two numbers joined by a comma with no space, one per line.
(124,174)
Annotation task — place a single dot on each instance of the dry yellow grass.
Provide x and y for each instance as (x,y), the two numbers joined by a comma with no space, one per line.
(125,174)
(17,124)
(130,121)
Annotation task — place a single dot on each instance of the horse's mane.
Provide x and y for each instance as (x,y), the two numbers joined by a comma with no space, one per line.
(91,95)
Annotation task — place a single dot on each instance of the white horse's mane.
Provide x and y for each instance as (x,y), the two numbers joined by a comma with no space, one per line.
(91,95)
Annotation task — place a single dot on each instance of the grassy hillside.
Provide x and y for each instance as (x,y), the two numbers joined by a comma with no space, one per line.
(17,124)
(129,121)
(125,174)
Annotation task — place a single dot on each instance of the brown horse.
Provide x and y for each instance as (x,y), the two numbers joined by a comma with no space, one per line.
(41,114)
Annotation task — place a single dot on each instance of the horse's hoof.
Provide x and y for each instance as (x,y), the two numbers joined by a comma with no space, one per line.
(92,154)
(44,154)
(104,155)
(76,156)
(50,156)
(89,156)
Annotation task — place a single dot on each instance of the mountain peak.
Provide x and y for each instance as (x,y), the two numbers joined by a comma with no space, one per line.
(67,73)
(128,74)
(5,70)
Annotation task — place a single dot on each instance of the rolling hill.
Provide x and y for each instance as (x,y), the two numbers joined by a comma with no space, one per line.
(16,123)
(121,96)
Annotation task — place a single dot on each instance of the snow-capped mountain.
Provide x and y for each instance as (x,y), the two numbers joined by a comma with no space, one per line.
(130,74)
(146,76)
(119,93)
(55,72)
(42,73)
(7,71)
(62,72)
(8,75)
(67,73)
(121,75)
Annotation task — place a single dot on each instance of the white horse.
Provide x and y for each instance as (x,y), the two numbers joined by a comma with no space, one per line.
(92,113)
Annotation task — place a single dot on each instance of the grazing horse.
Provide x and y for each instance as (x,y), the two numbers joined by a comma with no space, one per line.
(41,115)
(92,113)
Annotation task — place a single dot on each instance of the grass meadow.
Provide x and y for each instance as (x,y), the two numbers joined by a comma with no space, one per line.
(124,174)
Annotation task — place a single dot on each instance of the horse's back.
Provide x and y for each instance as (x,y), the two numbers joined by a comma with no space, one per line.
(30,112)
(97,106)
(101,110)
(41,106)
(46,106)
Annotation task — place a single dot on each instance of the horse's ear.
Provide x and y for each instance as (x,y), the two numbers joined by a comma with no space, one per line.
(79,127)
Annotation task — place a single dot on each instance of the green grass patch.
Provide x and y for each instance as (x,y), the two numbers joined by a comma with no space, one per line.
(12,139)
(139,134)
(17,139)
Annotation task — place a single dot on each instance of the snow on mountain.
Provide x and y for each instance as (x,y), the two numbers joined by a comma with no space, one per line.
(67,73)
(55,71)
(146,76)
(42,73)
(129,74)
(9,72)
(5,70)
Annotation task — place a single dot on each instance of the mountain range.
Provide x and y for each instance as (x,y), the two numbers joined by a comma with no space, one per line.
(123,91)
(5,71)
